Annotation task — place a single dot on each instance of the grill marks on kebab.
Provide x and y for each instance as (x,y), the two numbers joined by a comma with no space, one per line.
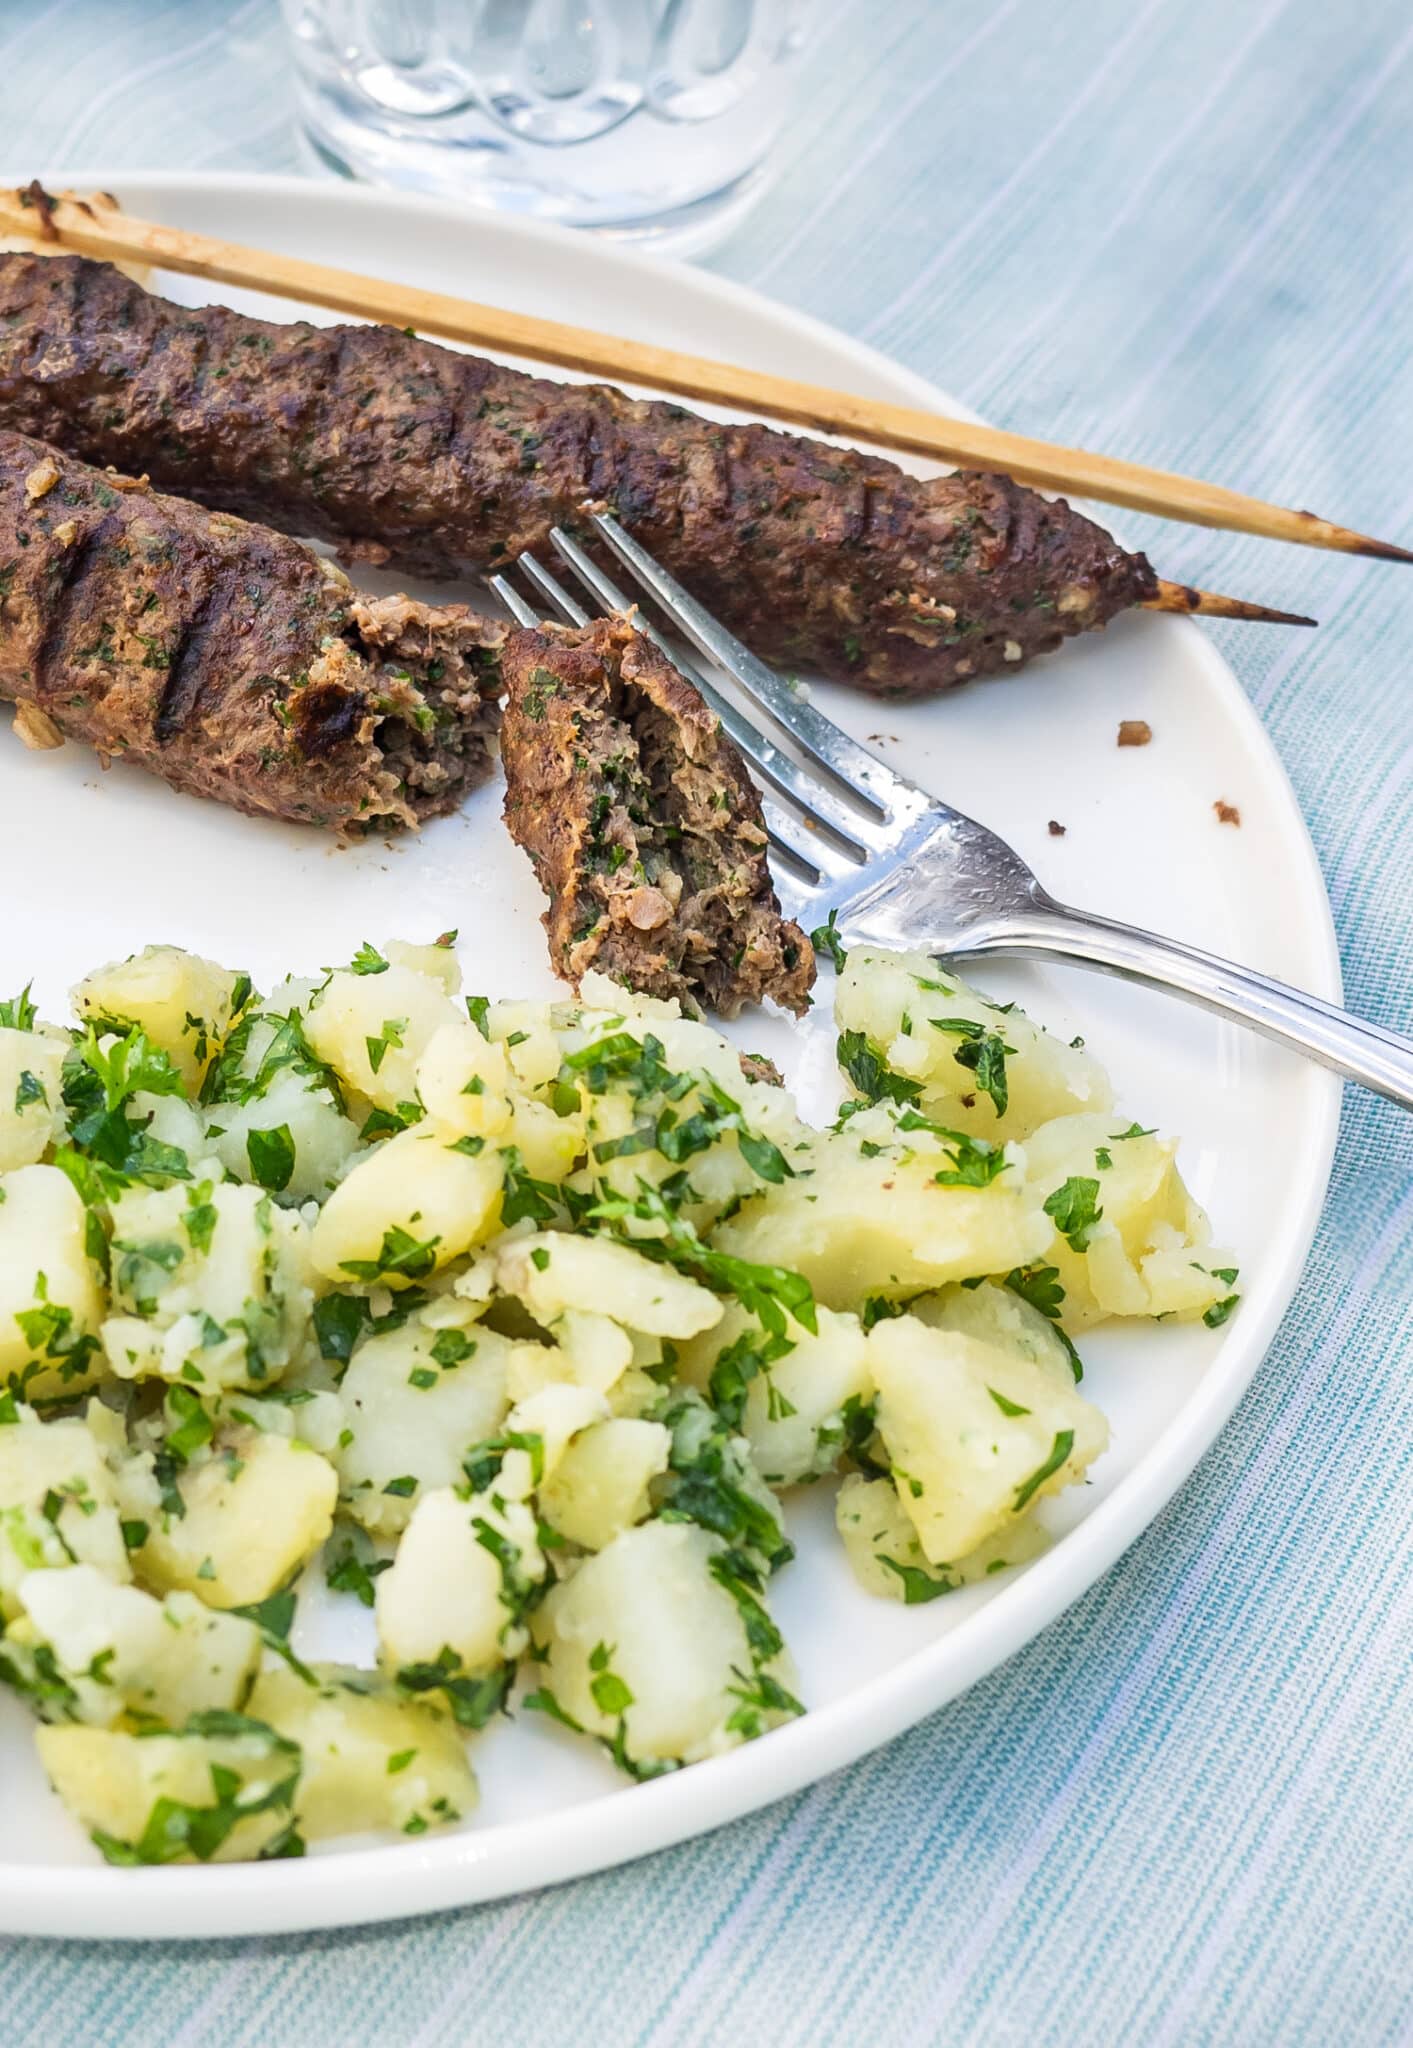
(643,827)
(818,557)
(229,660)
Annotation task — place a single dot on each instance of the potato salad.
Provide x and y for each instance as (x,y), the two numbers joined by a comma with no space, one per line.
(517,1324)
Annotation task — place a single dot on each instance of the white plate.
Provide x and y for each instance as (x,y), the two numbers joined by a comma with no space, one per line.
(97,865)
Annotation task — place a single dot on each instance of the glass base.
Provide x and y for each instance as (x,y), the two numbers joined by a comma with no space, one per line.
(477,179)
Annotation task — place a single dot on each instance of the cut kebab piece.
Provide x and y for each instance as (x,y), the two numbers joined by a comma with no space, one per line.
(231,661)
(643,826)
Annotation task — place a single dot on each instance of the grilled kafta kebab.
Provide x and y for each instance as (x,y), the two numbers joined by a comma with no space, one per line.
(229,660)
(642,823)
(818,557)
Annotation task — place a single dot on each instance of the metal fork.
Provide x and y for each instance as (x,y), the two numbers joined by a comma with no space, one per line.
(903,869)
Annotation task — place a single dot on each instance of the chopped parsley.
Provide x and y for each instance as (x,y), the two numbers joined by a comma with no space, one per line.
(1074,1210)
(981,1052)
(825,940)
(1059,1451)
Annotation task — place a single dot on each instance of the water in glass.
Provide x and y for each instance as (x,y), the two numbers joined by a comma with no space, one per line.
(648,119)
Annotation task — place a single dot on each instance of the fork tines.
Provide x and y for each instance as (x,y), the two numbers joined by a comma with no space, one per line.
(839,806)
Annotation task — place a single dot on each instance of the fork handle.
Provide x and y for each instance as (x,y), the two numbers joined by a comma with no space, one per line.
(1378,1059)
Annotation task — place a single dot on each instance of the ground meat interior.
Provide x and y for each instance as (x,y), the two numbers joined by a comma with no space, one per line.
(659,864)
(430,678)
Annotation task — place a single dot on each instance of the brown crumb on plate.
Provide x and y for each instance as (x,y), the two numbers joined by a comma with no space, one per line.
(1227,814)
(1134,732)
(1057,830)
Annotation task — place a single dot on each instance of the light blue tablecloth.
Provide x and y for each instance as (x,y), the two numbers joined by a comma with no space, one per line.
(1181,229)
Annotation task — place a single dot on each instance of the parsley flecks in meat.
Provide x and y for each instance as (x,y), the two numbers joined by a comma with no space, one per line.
(543,685)
(982,1053)
(1059,1451)
(1074,1210)
(870,1072)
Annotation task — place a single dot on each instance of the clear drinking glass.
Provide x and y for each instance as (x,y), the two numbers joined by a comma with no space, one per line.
(648,119)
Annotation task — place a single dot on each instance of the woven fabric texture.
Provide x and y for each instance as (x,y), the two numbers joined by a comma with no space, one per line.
(1179,229)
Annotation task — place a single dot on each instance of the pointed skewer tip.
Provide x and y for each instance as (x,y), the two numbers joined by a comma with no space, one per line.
(1383,550)
(1210,604)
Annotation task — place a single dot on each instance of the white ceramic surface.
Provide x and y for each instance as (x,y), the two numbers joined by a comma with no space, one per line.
(97,865)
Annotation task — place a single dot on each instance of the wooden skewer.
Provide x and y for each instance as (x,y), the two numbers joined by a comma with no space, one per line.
(96,226)
(1182,597)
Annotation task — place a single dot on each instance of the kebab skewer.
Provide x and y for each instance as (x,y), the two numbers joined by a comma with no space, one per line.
(441,463)
(228,660)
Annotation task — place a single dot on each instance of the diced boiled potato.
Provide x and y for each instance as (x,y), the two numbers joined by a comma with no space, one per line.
(713,1479)
(899,1000)
(182,1002)
(63,1460)
(1147,1254)
(720,1173)
(249,1137)
(974,1434)
(438,962)
(861,1226)
(371,1759)
(50,1300)
(372,1029)
(600,1485)
(254,1517)
(409,1207)
(546,1424)
(689,1046)
(526,1032)
(31,1088)
(172,1120)
(598,1349)
(646,1637)
(305,1414)
(548,1144)
(465,1082)
(121,1651)
(553,1271)
(219,1798)
(886,1558)
(792,1413)
(212,1283)
(996,1315)
(415,1401)
(459,1584)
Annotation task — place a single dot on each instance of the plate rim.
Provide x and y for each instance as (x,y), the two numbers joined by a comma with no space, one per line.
(405,1879)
